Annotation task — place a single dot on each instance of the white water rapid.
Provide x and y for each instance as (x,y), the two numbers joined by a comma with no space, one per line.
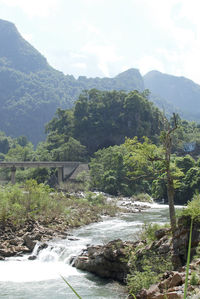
(21,278)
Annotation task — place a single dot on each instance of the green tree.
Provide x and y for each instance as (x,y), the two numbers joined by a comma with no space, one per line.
(108,172)
(69,151)
(154,160)
(20,153)
(185,163)
(104,118)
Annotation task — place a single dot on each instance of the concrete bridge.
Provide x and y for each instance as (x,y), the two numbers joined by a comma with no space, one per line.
(65,169)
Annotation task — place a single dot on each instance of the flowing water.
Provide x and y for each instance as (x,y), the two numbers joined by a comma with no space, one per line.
(21,278)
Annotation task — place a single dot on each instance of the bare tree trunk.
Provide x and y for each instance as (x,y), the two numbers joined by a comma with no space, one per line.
(170,182)
(170,195)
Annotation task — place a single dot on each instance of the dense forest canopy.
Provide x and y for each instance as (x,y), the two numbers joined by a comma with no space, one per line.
(139,167)
(103,118)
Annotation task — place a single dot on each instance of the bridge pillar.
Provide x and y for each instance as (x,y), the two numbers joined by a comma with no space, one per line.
(13,171)
(60,175)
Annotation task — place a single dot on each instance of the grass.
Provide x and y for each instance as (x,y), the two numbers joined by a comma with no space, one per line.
(148,268)
(69,285)
(149,229)
(38,202)
(188,260)
(143,197)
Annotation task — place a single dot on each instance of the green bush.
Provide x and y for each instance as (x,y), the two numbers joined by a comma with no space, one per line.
(192,209)
(149,229)
(152,266)
(143,197)
(33,201)
(37,202)
(194,280)
(139,280)
(95,199)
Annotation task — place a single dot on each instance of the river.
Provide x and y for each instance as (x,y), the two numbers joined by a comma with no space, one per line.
(21,278)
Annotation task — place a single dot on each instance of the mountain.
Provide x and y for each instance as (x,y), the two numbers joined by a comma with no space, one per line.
(31,90)
(180,92)
(128,80)
(18,54)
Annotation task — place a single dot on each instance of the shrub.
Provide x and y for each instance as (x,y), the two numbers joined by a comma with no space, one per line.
(95,199)
(34,201)
(194,280)
(192,209)
(139,280)
(143,197)
(151,268)
(149,229)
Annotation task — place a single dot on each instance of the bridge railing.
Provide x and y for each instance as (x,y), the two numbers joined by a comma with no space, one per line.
(67,165)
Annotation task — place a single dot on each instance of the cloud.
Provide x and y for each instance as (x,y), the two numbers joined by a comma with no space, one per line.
(88,30)
(80,65)
(179,23)
(94,2)
(76,55)
(34,8)
(148,63)
(189,10)
(104,53)
(96,48)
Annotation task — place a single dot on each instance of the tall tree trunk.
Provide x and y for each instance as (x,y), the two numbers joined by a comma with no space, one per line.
(170,195)
(170,182)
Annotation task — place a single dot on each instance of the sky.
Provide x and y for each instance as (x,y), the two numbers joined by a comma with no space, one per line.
(101,38)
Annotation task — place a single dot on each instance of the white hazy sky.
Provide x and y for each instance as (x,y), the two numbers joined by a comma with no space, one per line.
(105,37)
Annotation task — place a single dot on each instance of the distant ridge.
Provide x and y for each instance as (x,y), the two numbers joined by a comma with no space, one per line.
(31,90)
(17,53)
(128,80)
(179,91)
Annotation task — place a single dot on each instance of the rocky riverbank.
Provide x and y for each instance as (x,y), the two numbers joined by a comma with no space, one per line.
(21,240)
(114,260)
(16,240)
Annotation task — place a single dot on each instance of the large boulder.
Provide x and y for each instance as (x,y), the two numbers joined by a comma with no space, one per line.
(29,242)
(109,261)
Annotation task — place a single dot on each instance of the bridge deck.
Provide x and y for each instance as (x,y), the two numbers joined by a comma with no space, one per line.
(39,164)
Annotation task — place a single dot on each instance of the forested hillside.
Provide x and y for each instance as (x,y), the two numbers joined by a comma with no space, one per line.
(181,92)
(31,90)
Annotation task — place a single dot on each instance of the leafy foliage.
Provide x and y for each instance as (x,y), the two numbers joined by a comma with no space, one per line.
(192,209)
(102,119)
(136,167)
(39,202)
(107,171)
(152,266)
(18,205)
(148,231)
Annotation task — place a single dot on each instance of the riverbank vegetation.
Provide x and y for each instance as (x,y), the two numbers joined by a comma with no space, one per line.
(38,202)
(154,266)
(153,261)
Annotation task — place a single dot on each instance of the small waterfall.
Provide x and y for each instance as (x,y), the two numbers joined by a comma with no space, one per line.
(24,277)
(57,252)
